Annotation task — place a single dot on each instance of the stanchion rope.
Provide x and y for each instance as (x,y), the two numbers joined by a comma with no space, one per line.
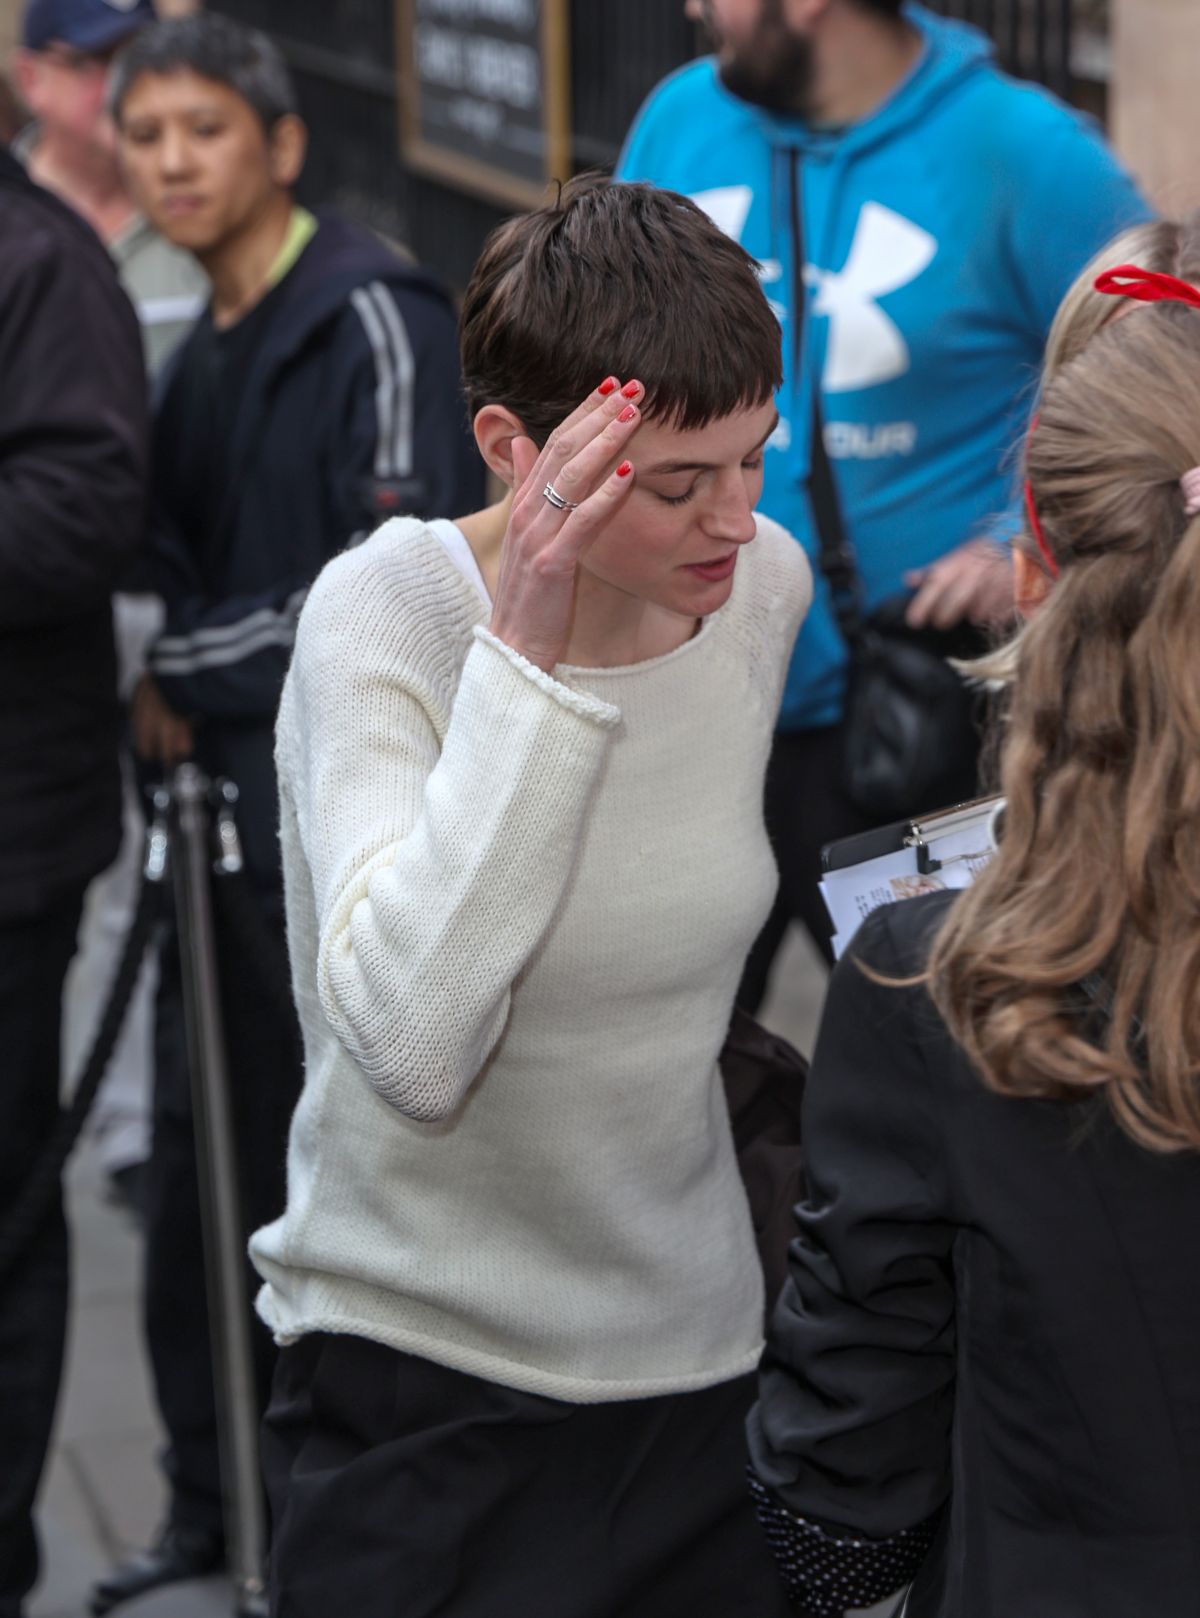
(37,1195)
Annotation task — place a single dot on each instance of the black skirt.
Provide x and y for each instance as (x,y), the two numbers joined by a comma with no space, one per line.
(403,1489)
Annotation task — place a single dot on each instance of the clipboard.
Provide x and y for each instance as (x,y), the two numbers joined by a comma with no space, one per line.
(946,849)
(865,845)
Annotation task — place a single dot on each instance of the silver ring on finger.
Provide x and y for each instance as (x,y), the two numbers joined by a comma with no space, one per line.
(557,501)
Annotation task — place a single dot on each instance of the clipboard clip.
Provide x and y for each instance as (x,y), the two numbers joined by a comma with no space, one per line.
(928,862)
(984,813)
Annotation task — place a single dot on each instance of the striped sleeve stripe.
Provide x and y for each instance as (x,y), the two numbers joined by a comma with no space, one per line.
(228,643)
(406,369)
(222,634)
(395,377)
(385,385)
(216,657)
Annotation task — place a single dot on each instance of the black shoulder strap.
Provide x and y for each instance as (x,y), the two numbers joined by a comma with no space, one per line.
(834,557)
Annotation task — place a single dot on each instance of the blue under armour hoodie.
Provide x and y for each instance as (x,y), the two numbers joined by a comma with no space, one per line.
(940,235)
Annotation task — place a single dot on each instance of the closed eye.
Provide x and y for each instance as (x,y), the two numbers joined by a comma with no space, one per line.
(752,464)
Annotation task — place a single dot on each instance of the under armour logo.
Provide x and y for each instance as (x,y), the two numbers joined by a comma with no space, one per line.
(122,5)
(728,206)
(865,346)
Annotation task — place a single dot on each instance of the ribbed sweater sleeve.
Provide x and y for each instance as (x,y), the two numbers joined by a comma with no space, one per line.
(440,826)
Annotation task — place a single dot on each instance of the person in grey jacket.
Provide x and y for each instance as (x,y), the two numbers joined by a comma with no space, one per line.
(73,467)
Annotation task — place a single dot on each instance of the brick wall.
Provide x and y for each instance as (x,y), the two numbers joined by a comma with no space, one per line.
(10,11)
(1155,107)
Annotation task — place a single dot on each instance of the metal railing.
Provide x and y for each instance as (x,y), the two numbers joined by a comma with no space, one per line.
(1032,37)
(343,55)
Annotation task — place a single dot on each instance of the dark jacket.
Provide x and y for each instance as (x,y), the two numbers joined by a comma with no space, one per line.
(73,449)
(352,412)
(994,1308)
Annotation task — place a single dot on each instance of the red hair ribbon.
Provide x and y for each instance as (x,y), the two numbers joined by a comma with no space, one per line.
(1146,286)
(1035,522)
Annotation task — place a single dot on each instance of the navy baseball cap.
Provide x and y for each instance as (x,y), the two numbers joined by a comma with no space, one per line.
(88,25)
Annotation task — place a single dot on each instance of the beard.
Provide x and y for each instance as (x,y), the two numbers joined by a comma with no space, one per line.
(772,69)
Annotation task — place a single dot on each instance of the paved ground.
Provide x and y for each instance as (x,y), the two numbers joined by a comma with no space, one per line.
(102,1495)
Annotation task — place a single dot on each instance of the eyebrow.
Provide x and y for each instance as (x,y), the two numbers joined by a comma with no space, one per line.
(203,109)
(669,468)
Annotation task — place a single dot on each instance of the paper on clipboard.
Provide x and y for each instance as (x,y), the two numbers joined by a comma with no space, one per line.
(938,852)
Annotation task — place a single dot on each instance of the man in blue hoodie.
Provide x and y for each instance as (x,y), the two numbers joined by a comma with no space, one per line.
(942,210)
(317,394)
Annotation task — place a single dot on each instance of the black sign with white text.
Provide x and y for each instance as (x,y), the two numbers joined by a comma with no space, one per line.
(484,92)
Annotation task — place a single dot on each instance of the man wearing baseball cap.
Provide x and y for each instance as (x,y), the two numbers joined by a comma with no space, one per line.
(61,70)
(88,25)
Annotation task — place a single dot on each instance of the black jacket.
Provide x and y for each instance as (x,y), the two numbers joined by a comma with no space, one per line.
(352,412)
(994,1307)
(73,449)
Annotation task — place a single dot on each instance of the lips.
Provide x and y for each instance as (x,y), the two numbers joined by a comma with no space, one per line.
(182,205)
(714,572)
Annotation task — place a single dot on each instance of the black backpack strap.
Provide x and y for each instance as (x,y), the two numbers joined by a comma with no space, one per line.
(835,558)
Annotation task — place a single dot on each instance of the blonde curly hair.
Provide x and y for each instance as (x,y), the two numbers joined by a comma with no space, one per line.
(1098,874)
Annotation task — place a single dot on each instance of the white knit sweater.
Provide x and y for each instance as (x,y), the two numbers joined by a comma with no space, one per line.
(518,908)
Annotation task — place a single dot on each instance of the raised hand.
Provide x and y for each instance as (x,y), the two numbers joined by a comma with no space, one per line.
(584,463)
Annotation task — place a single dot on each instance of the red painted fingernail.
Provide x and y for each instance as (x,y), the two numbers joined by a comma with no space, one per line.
(625,468)
(608,387)
(627,414)
(631,388)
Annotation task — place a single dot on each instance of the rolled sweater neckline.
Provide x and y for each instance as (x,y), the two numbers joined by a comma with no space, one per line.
(577,671)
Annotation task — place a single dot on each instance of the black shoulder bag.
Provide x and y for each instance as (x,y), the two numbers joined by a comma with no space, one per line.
(764,1080)
(911,740)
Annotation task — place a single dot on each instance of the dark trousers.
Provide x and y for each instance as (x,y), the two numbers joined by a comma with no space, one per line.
(404,1489)
(265,1071)
(805,809)
(34,957)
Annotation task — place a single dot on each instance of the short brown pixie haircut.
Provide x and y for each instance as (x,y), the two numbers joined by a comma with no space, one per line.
(624,280)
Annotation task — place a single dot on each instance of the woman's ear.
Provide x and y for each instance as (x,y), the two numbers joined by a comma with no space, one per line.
(1031,583)
(496,429)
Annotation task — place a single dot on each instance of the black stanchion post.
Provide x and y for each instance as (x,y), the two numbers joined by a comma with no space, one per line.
(224,1244)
